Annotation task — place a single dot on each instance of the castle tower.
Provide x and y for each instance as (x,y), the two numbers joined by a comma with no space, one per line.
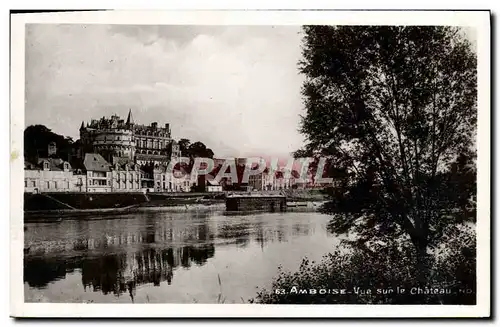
(130,119)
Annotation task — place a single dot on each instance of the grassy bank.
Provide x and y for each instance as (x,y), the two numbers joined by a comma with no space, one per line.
(384,274)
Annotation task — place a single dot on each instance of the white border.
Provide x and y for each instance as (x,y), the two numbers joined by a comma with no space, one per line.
(479,20)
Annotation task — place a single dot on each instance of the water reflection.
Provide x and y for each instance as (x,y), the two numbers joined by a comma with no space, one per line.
(116,256)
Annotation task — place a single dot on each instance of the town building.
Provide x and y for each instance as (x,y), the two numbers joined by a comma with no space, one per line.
(126,176)
(52,175)
(99,176)
(270,180)
(170,181)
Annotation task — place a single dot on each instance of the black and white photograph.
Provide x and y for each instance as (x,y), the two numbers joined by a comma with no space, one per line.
(257,159)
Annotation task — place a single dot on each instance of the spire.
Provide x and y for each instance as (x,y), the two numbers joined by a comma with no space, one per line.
(82,126)
(130,119)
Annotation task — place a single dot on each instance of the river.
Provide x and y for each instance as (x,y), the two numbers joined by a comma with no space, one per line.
(168,257)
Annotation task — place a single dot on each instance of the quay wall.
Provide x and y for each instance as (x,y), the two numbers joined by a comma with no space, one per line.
(80,201)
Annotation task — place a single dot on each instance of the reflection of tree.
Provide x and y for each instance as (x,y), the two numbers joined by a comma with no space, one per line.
(121,272)
(128,266)
(198,255)
(39,272)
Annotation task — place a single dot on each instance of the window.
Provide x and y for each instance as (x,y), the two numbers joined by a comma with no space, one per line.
(48,185)
(46,165)
(67,184)
(25,183)
(33,183)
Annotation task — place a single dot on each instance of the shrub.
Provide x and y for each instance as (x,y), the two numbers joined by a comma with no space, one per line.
(379,273)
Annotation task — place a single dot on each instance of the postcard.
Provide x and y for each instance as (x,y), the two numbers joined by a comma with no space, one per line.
(250,164)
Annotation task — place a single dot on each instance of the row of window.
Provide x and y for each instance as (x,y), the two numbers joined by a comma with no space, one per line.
(47,166)
(149,133)
(99,182)
(185,183)
(136,186)
(49,184)
(151,144)
(117,138)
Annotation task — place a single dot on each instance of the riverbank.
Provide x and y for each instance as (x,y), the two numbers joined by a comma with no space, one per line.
(56,206)
(106,213)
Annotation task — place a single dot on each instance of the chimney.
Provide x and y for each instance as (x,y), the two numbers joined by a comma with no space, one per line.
(154,125)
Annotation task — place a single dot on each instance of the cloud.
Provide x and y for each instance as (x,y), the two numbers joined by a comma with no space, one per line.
(235,88)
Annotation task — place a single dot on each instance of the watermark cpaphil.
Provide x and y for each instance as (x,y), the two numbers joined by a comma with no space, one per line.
(302,170)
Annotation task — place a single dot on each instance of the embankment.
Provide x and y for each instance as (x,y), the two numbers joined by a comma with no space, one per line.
(81,201)
(55,206)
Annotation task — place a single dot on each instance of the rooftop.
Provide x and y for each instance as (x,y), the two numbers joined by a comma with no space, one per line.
(95,162)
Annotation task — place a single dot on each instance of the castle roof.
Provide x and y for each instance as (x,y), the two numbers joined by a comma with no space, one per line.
(130,118)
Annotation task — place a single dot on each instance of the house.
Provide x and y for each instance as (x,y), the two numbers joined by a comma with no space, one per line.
(52,175)
(99,175)
(125,175)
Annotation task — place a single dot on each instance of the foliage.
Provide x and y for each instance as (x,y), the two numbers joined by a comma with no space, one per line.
(37,139)
(198,149)
(394,107)
(193,150)
(380,268)
(184,145)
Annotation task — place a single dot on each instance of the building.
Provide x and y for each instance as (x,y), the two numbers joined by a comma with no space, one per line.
(154,143)
(108,137)
(165,181)
(99,175)
(125,176)
(213,186)
(112,155)
(52,175)
(115,137)
(270,180)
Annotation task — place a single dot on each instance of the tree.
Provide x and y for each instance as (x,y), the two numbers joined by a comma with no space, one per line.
(37,139)
(184,145)
(198,149)
(394,106)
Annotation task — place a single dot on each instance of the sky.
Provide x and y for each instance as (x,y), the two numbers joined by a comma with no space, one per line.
(234,88)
